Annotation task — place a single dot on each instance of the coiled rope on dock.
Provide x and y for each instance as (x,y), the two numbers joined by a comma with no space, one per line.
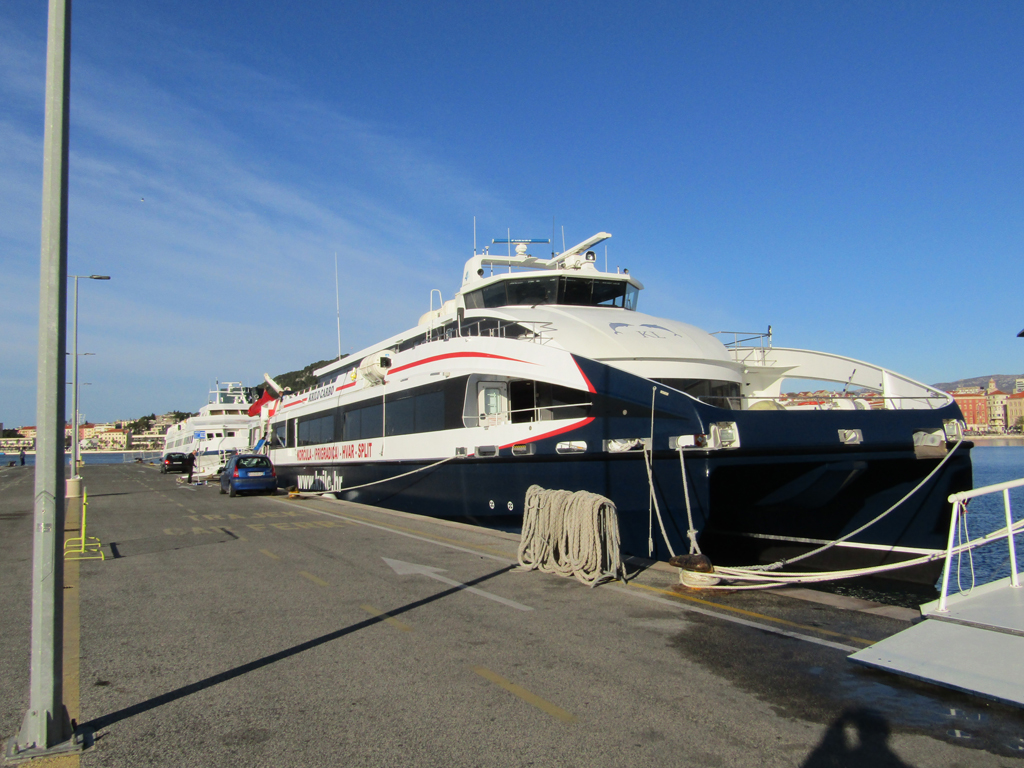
(571,534)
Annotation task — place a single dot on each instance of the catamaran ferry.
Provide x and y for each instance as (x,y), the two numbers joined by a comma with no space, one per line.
(222,426)
(549,374)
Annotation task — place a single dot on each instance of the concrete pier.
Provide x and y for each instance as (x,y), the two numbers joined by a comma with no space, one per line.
(268,631)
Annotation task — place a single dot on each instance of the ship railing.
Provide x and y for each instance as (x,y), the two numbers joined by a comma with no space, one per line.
(748,344)
(832,402)
(539,411)
(130,457)
(862,401)
(959,502)
(535,330)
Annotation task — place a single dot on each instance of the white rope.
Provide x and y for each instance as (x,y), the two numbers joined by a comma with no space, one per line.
(768,575)
(648,462)
(824,547)
(651,501)
(386,479)
(691,531)
(768,580)
(962,533)
(571,534)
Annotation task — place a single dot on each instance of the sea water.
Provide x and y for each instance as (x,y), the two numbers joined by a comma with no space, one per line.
(104,457)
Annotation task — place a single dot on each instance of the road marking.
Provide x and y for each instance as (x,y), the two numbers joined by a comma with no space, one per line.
(270,554)
(734,619)
(71,654)
(530,698)
(407,569)
(387,617)
(315,579)
(438,541)
(677,601)
(755,615)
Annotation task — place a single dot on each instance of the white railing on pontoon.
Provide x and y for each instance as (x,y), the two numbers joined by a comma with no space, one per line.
(959,502)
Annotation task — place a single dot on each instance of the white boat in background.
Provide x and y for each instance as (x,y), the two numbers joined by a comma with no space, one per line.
(223,426)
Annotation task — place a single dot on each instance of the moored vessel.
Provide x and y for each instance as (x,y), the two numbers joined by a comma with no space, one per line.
(221,427)
(549,374)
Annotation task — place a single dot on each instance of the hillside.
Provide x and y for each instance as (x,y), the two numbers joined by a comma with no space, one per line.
(303,378)
(1004,381)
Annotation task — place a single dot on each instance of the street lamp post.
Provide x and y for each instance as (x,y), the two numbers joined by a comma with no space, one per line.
(74,375)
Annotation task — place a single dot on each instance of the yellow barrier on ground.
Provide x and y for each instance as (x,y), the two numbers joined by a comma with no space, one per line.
(84,547)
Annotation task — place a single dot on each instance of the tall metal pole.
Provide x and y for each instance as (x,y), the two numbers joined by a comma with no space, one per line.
(45,724)
(74,387)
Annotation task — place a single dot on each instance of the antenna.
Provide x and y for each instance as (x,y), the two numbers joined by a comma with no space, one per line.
(553,240)
(474,235)
(337,301)
(606,258)
(563,238)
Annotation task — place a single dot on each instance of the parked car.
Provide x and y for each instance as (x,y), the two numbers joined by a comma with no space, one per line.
(248,472)
(174,462)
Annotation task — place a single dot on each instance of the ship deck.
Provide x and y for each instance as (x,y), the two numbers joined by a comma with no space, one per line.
(305,632)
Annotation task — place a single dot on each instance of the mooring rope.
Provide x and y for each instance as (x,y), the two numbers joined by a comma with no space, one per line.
(571,534)
(386,479)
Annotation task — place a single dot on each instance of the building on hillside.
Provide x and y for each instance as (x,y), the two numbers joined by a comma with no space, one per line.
(1018,386)
(15,444)
(114,440)
(1014,410)
(973,404)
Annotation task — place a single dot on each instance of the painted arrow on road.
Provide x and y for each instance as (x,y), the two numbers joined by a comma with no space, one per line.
(410,569)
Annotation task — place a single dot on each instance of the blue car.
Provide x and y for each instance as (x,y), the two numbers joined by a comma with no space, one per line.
(248,472)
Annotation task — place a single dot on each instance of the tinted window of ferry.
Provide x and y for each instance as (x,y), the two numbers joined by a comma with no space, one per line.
(277,440)
(361,423)
(314,430)
(575,291)
(534,290)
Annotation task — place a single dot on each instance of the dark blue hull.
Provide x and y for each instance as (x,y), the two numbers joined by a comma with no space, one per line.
(791,482)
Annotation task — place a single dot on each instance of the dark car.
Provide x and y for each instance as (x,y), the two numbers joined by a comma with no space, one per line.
(174,462)
(248,472)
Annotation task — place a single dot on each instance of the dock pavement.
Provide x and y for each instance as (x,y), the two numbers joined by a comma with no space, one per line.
(270,631)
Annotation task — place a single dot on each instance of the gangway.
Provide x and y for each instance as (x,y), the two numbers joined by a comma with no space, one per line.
(971,641)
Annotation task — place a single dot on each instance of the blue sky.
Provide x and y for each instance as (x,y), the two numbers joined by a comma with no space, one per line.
(850,173)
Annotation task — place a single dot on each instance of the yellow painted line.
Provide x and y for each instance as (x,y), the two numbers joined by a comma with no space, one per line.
(72,656)
(270,554)
(387,617)
(753,614)
(315,579)
(530,698)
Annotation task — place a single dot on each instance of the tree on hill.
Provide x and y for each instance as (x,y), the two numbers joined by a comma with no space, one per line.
(304,378)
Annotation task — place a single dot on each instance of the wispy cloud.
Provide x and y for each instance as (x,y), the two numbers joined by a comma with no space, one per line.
(216,200)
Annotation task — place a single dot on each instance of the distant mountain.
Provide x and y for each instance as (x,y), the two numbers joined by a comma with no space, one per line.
(1004,381)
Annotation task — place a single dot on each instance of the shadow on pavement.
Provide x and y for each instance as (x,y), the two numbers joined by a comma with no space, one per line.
(133,547)
(859,738)
(187,690)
